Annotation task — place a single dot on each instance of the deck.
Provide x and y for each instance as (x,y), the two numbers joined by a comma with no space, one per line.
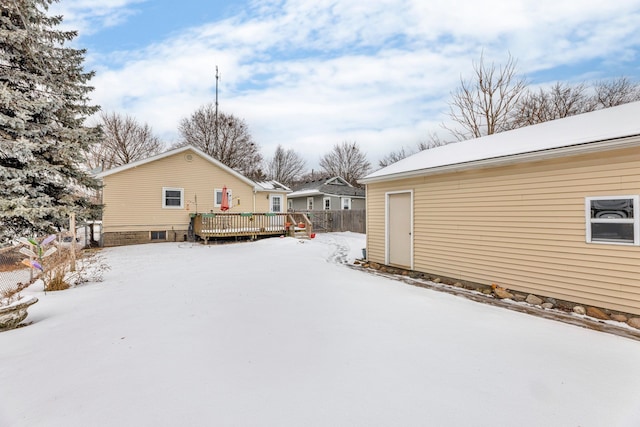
(251,225)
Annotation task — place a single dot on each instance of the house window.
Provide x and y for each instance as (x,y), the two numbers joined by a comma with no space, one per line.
(172,198)
(290,204)
(613,219)
(346,203)
(217,197)
(309,203)
(327,203)
(158,235)
(276,203)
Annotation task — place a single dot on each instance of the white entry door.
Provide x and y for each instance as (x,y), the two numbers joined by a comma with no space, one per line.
(275,206)
(400,229)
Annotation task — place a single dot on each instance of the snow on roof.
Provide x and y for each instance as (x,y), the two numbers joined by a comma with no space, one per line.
(602,125)
(306,192)
(273,185)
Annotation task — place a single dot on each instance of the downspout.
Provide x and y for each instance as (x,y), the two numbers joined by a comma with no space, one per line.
(254,198)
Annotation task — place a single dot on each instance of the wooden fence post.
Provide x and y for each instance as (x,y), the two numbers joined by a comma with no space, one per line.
(72,227)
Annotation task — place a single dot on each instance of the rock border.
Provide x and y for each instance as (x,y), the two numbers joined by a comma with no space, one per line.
(520,304)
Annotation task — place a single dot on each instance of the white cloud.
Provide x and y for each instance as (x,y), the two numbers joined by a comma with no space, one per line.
(311,73)
(89,16)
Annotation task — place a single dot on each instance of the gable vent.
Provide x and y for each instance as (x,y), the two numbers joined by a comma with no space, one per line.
(188,157)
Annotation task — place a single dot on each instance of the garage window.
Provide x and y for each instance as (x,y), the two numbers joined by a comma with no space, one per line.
(613,219)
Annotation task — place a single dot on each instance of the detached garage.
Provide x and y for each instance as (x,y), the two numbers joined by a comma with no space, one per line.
(551,209)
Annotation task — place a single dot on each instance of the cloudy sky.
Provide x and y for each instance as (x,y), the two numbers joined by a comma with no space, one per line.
(309,74)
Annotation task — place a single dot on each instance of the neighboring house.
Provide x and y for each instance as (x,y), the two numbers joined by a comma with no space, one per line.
(551,209)
(153,199)
(326,194)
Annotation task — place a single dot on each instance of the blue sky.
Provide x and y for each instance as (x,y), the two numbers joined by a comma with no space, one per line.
(309,74)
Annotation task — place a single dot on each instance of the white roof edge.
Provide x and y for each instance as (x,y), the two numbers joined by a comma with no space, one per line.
(585,148)
(344,195)
(337,178)
(305,192)
(173,152)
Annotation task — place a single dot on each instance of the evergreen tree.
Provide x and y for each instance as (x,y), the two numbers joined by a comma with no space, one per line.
(43,105)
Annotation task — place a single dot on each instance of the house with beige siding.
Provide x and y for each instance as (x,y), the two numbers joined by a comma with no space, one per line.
(155,199)
(551,209)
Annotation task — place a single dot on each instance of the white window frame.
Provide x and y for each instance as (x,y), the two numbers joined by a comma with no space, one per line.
(326,206)
(164,198)
(273,197)
(309,203)
(217,191)
(635,220)
(345,199)
(290,204)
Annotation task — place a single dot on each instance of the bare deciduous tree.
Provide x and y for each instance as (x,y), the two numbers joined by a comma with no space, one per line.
(483,106)
(225,138)
(561,100)
(564,100)
(124,141)
(346,160)
(497,100)
(395,156)
(616,92)
(285,166)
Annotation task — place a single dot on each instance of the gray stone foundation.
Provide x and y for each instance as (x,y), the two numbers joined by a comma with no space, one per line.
(123,238)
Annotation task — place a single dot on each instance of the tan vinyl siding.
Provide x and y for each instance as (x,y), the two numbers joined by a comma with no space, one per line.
(522,227)
(133,197)
(263,200)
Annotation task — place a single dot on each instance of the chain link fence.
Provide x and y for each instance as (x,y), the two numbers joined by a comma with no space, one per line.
(13,272)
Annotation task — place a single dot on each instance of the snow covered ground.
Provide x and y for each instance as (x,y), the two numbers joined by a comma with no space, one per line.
(280,333)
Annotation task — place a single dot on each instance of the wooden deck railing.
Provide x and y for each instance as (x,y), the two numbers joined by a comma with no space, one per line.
(212,225)
(250,224)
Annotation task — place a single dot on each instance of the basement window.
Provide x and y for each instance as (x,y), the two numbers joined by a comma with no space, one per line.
(158,235)
(613,219)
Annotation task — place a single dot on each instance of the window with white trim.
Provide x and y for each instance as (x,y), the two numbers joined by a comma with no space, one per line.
(172,198)
(217,197)
(346,203)
(613,219)
(309,203)
(290,204)
(276,203)
(327,203)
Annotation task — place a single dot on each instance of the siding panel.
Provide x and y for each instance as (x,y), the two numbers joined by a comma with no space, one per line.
(521,226)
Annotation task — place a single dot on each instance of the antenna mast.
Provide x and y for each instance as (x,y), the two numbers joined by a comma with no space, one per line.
(215,129)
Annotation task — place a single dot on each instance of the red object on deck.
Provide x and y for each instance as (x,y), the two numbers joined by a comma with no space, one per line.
(224,203)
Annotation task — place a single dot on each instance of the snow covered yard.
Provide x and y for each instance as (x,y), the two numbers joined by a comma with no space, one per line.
(279,333)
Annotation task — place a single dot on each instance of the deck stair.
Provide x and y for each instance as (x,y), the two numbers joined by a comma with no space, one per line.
(300,226)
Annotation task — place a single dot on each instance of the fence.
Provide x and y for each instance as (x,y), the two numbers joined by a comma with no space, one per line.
(12,271)
(339,220)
